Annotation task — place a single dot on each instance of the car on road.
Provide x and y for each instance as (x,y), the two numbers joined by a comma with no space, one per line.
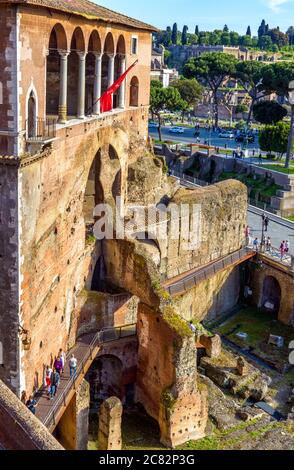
(176,130)
(242,138)
(226,135)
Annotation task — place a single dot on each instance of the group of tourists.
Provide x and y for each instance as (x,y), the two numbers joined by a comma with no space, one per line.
(52,378)
(266,242)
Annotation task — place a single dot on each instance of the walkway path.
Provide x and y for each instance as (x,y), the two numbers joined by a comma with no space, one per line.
(186,281)
(85,350)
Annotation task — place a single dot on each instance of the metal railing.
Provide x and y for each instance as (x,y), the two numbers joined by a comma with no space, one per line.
(206,272)
(187,178)
(106,335)
(41,129)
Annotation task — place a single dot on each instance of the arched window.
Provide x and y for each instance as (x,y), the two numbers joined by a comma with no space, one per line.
(57,43)
(134,92)
(32,117)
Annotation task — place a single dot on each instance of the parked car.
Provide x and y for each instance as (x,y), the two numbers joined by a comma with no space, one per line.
(226,135)
(176,130)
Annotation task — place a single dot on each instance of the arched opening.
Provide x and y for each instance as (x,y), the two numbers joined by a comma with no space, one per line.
(32,116)
(94,194)
(271,295)
(134,92)
(94,48)
(77,47)
(107,63)
(106,380)
(57,42)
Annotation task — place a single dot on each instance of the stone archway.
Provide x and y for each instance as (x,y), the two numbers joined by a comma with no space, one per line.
(271,295)
(105,377)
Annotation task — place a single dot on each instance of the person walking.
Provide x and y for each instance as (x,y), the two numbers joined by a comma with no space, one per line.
(58,364)
(192,327)
(73,362)
(48,374)
(282,249)
(54,381)
(62,356)
(266,223)
(31,404)
(269,244)
(287,246)
(256,244)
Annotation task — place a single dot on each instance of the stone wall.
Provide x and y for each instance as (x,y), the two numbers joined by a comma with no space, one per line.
(8,80)
(210,299)
(167,377)
(9,279)
(57,262)
(19,428)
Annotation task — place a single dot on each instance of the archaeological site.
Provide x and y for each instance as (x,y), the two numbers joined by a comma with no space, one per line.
(145,328)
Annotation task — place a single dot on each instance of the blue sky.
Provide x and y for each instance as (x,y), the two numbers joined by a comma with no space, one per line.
(208,14)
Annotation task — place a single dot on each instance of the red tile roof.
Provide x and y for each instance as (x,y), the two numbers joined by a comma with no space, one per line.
(88,10)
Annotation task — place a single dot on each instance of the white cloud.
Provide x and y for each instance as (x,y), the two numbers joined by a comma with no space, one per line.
(275,5)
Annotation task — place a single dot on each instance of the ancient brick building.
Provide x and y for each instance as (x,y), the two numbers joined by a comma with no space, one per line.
(59,158)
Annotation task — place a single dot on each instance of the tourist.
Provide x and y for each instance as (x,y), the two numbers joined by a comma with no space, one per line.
(287,246)
(62,356)
(266,223)
(282,249)
(256,244)
(73,362)
(48,374)
(260,158)
(54,382)
(58,364)
(24,397)
(269,244)
(31,404)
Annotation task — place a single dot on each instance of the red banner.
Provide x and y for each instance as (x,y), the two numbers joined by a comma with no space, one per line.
(106,102)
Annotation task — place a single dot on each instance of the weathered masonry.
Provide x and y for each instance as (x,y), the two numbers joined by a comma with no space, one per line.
(60,157)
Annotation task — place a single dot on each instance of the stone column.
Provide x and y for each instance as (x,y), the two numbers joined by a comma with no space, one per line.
(97,83)
(62,108)
(122,89)
(81,84)
(110,417)
(110,70)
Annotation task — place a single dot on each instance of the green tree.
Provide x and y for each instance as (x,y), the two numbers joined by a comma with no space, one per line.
(197,30)
(275,138)
(211,69)
(265,42)
(262,29)
(269,112)
(251,75)
(234,38)
(246,41)
(225,39)
(248,32)
(278,38)
(283,74)
(190,91)
(162,99)
(184,35)
(175,34)
(226,29)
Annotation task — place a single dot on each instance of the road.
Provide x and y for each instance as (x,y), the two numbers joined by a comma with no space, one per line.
(277,230)
(188,137)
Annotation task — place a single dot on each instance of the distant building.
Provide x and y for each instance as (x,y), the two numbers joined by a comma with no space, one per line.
(181,54)
(159,71)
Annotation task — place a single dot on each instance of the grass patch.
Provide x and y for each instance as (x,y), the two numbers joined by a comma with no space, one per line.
(291,218)
(280,168)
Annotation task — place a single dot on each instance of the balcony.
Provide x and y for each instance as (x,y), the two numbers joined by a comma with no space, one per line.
(41,130)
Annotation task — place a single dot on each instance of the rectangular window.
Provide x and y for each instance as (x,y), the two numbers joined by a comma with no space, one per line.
(134,47)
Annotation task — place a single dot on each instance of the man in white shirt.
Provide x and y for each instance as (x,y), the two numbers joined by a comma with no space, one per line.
(73,362)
